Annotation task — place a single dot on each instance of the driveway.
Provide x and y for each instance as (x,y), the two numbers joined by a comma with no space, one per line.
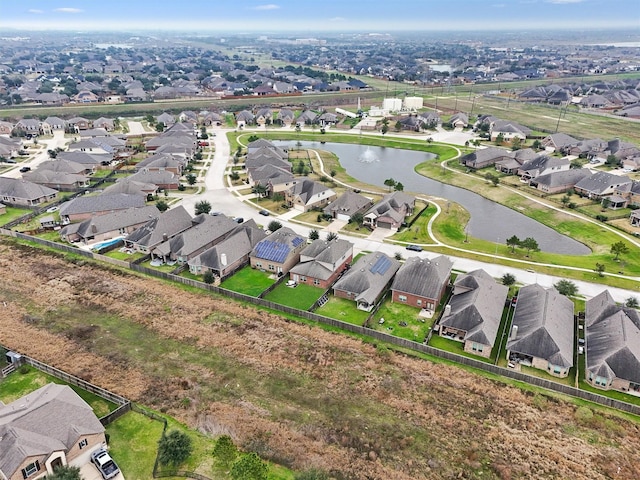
(89,472)
(41,155)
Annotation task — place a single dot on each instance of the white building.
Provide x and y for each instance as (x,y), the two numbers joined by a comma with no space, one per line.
(392,104)
(413,103)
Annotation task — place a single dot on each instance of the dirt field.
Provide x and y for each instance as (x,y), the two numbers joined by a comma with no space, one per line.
(294,393)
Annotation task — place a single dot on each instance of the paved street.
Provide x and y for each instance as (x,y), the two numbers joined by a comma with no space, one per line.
(224,200)
(46,144)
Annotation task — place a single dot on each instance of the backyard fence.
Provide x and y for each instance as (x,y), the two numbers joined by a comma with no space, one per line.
(359,330)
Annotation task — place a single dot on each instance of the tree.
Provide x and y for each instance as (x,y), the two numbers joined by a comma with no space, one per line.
(235,176)
(385,129)
(331,236)
(162,206)
(260,190)
(500,139)
(508,279)
(530,244)
(612,161)
(575,163)
(398,187)
(203,206)
(52,153)
(191,179)
(356,218)
(390,182)
(225,451)
(566,199)
(398,256)
(631,302)
(398,126)
(537,145)
(208,277)
(599,269)
(159,127)
(516,144)
(513,242)
(605,204)
(333,173)
(619,248)
(65,472)
(566,288)
(174,448)
(274,225)
(249,467)
(314,235)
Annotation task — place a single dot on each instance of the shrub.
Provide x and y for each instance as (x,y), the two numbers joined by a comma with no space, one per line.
(174,448)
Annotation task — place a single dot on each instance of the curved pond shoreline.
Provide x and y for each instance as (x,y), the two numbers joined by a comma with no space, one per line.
(489,220)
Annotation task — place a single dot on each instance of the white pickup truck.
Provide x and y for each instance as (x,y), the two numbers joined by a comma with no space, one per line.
(105,464)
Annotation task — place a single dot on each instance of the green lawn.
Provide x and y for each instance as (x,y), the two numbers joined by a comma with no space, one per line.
(418,232)
(416,328)
(301,297)
(133,442)
(453,346)
(28,379)
(344,310)
(12,213)
(249,281)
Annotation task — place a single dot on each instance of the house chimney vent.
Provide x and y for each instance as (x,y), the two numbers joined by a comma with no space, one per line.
(223,259)
(514,332)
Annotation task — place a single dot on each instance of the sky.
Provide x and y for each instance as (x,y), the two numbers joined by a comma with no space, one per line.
(318,15)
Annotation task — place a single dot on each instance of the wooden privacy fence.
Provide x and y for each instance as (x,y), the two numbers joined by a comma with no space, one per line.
(359,330)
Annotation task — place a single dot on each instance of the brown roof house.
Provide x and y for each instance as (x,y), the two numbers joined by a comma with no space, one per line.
(542,332)
(612,345)
(322,262)
(278,252)
(45,429)
(421,282)
(391,211)
(348,204)
(81,208)
(367,280)
(484,157)
(307,194)
(230,254)
(474,311)
(559,182)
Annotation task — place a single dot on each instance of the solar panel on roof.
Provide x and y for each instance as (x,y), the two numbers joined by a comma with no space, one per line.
(381,265)
(272,251)
(296,241)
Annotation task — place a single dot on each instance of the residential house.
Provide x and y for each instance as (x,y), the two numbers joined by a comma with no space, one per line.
(107,123)
(307,194)
(612,345)
(205,232)
(391,211)
(509,131)
(243,118)
(93,161)
(459,120)
(66,166)
(307,118)
(327,119)
(322,262)
(9,147)
(601,184)
(542,165)
(256,147)
(164,179)
(6,127)
(231,254)
(78,123)
(55,124)
(276,179)
(131,187)
(559,182)
(278,252)
(285,117)
(46,429)
(84,207)
(264,116)
(634,218)
(558,142)
(543,333)
(158,229)
(109,225)
(166,119)
(85,96)
(348,204)
(61,181)
(421,282)
(474,311)
(516,160)
(29,125)
(162,162)
(22,193)
(266,157)
(367,280)
(484,157)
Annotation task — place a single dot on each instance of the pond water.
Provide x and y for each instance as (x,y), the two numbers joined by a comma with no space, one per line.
(489,220)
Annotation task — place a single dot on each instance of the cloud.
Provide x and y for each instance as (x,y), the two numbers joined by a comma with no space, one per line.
(35,10)
(269,6)
(338,19)
(562,2)
(67,10)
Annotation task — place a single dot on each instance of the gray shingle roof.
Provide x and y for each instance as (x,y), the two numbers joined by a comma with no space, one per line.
(348,203)
(544,319)
(101,203)
(318,259)
(368,277)
(476,307)
(277,246)
(612,339)
(564,177)
(111,222)
(205,230)
(423,277)
(601,181)
(22,189)
(51,418)
(162,227)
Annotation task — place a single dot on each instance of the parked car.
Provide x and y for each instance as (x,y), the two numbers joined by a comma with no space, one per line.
(104,463)
(238,219)
(203,144)
(25,169)
(414,248)
(215,214)
(264,212)
(7,160)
